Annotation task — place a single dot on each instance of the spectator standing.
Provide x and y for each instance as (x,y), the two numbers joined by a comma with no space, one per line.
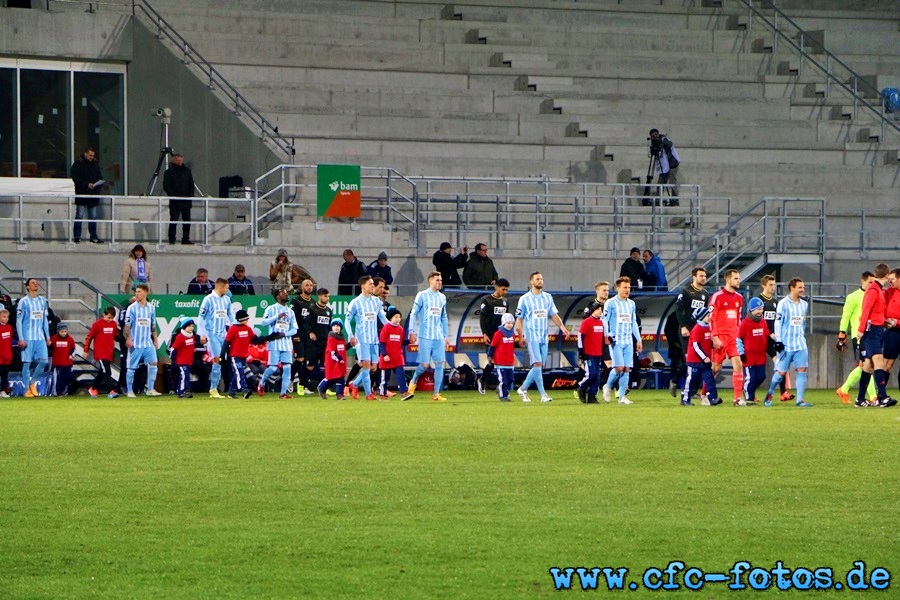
(135,269)
(448,266)
(380,268)
(88,184)
(239,284)
(655,273)
(286,275)
(200,285)
(179,182)
(633,268)
(351,272)
(479,271)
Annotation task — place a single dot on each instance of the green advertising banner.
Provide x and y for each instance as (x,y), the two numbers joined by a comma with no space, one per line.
(339,191)
(171,309)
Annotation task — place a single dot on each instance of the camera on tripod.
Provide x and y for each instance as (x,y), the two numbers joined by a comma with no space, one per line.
(655,146)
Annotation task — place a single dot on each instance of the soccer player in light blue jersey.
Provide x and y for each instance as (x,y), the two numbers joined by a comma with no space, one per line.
(280,319)
(363,315)
(33,329)
(215,319)
(532,313)
(790,330)
(428,328)
(623,337)
(140,338)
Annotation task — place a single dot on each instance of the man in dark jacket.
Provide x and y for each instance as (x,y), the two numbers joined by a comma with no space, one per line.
(448,266)
(86,175)
(351,271)
(479,271)
(634,269)
(179,183)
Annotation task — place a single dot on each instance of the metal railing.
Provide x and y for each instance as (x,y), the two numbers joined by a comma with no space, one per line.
(216,82)
(144,219)
(835,70)
(771,225)
(388,197)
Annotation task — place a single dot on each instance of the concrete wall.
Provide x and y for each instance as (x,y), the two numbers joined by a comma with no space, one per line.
(65,35)
(214,141)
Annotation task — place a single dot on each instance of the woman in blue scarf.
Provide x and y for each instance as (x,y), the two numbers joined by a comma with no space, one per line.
(136,269)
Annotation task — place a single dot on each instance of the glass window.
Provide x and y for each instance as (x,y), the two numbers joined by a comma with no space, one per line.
(8,166)
(45,123)
(99,104)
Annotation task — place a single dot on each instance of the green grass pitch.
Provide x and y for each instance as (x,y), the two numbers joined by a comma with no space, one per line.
(264,498)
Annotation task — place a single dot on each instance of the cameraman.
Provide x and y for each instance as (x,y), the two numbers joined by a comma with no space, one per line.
(667,161)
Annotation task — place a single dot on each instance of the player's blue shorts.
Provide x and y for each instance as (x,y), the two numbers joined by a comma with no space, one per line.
(537,351)
(872,342)
(214,345)
(35,350)
(367,352)
(285,357)
(431,351)
(138,355)
(799,358)
(892,343)
(622,355)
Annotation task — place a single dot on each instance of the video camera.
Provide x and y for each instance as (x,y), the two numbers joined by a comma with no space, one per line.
(656,145)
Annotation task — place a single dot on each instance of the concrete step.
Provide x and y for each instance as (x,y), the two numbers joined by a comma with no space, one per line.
(266,96)
(435,78)
(788,153)
(734,109)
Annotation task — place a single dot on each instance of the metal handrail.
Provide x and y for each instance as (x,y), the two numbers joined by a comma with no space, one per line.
(826,70)
(123,212)
(240,104)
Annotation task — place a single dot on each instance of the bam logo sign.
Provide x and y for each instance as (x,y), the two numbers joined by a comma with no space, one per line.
(339,192)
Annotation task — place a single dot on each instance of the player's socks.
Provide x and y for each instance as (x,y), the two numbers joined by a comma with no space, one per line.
(852,379)
(624,380)
(438,377)
(776,380)
(864,380)
(800,382)
(737,382)
(538,378)
(880,377)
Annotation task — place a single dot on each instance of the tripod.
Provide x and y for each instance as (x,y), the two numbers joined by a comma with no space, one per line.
(650,198)
(164,151)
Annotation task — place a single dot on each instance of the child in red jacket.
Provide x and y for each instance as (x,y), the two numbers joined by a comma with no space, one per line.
(103,333)
(6,352)
(503,352)
(238,341)
(335,361)
(62,346)
(181,349)
(753,341)
(699,361)
(392,358)
(590,351)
